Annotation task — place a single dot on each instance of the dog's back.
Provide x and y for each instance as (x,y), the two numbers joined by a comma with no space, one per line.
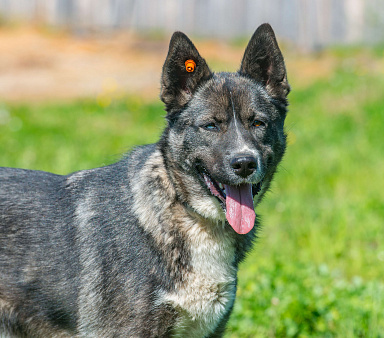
(70,246)
(34,251)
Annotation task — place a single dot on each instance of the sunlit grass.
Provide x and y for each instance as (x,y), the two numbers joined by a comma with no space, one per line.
(71,136)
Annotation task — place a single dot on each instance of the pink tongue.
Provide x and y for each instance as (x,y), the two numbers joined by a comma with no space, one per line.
(240,213)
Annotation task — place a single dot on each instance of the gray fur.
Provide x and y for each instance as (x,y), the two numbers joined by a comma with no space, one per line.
(142,248)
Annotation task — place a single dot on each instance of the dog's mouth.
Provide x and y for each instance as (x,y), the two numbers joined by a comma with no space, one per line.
(236,200)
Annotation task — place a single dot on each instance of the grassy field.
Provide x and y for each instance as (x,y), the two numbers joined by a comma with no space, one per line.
(318,267)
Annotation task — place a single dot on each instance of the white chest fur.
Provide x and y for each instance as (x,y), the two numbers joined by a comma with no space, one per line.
(208,291)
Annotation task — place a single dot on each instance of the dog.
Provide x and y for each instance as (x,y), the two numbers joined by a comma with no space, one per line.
(150,246)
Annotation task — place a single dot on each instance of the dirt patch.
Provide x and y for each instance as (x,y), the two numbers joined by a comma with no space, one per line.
(37,65)
(40,65)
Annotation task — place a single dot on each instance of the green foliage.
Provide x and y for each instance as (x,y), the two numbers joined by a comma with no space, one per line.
(71,136)
(317,269)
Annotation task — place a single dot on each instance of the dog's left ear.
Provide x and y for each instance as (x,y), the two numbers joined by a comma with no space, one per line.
(264,63)
(184,69)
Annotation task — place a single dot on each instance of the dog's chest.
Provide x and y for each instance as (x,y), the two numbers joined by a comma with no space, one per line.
(208,290)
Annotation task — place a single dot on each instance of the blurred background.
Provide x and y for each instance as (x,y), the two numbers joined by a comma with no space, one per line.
(79,84)
(310,24)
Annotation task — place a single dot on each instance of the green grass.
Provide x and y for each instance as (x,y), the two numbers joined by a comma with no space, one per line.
(66,137)
(317,269)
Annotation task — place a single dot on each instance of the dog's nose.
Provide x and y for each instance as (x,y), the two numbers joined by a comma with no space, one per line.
(244,165)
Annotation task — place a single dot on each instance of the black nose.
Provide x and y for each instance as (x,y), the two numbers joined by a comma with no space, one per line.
(244,165)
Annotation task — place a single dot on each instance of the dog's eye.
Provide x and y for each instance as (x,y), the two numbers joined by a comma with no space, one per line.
(211,127)
(258,123)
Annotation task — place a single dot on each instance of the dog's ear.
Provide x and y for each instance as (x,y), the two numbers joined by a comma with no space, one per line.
(264,63)
(184,69)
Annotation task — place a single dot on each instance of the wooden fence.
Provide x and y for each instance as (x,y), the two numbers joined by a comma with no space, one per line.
(310,24)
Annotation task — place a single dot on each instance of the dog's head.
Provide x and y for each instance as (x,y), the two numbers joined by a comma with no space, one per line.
(225,133)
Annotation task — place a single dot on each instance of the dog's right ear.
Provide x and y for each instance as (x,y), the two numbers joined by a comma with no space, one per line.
(184,69)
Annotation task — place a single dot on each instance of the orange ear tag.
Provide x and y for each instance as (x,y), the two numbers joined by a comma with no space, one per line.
(190,66)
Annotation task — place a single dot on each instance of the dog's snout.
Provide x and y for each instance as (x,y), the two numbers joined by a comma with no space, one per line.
(244,165)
